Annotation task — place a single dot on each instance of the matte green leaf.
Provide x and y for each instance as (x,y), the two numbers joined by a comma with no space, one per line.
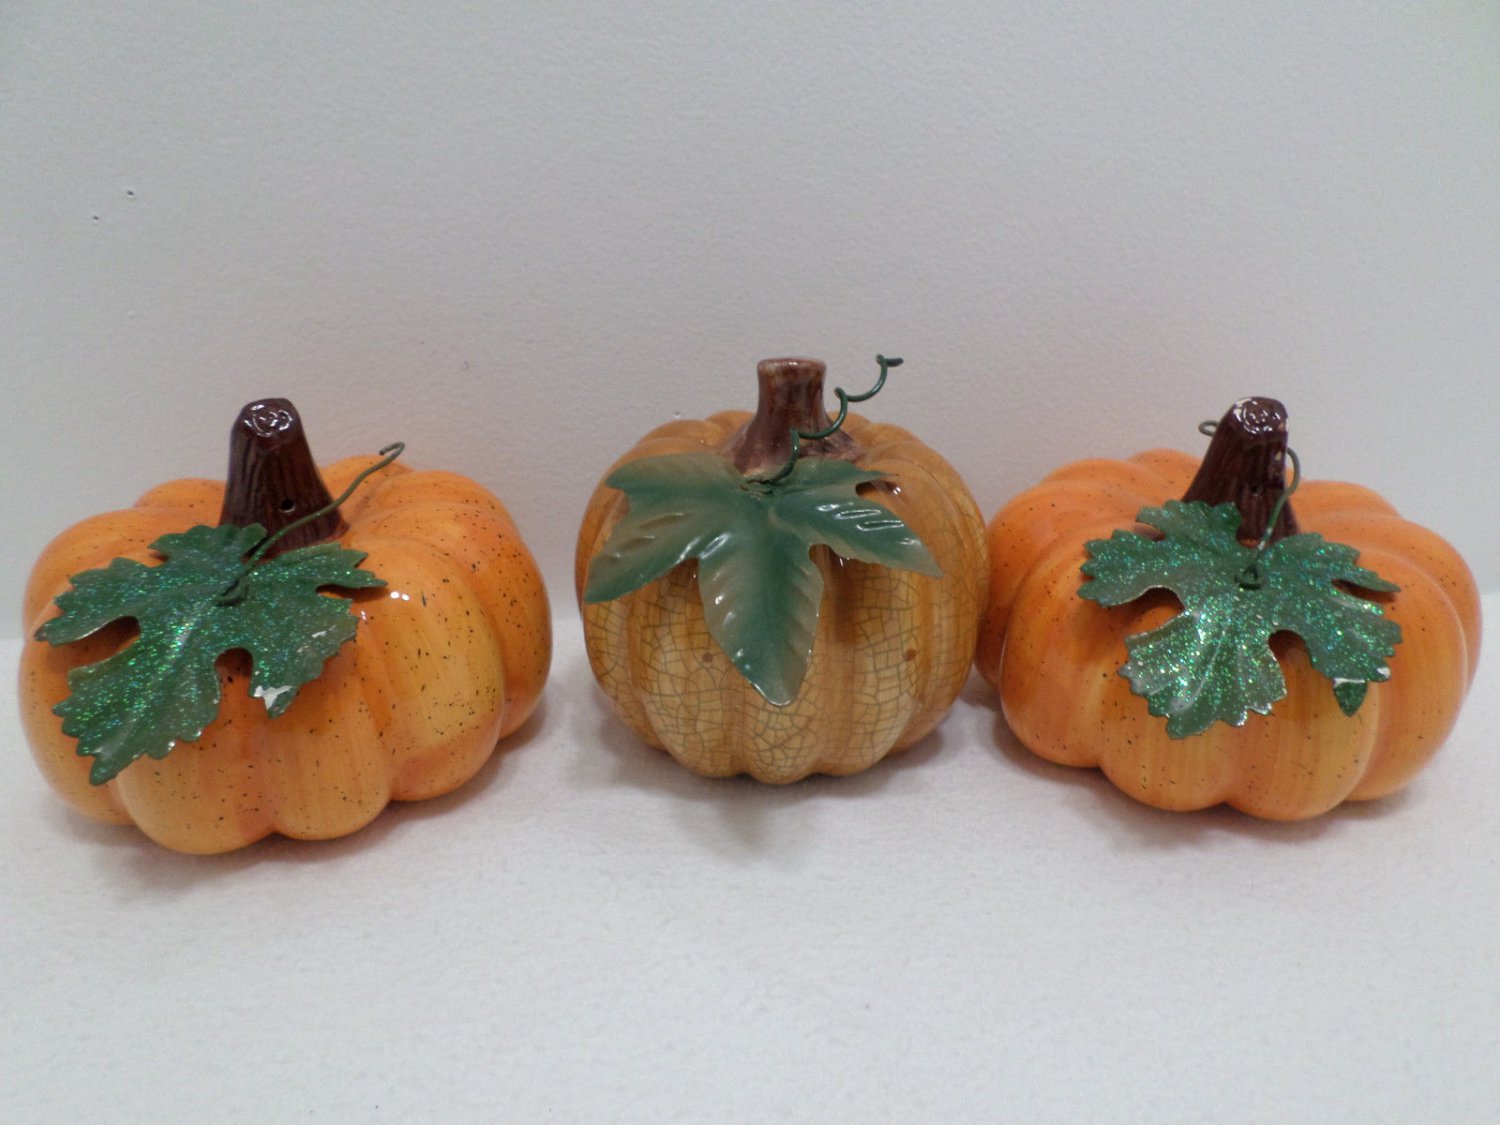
(760,589)
(163,687)
(1213,662)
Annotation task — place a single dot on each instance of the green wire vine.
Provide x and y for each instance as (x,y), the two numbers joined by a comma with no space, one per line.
(845,398)
(232,592)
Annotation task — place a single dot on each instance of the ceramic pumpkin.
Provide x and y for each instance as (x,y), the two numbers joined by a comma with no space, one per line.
(886,645)
(1057,658)
(447,657)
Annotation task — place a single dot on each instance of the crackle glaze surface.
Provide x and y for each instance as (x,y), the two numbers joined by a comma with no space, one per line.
(449,657)
(1055,656)
(892,648)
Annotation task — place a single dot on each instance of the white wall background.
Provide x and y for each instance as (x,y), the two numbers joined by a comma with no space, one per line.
(516,235)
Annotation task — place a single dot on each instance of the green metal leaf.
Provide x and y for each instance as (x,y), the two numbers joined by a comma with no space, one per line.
(761,593)
(1213,662)
(821,503)
(163,687)
(674,501)
(760,589)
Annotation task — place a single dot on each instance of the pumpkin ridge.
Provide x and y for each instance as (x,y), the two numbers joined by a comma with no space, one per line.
(451,727)
(1430,674)
(609,660)
(491,558)
(961,589)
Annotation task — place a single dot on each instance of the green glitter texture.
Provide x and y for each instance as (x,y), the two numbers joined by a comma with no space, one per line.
(1213,661)
(201,602)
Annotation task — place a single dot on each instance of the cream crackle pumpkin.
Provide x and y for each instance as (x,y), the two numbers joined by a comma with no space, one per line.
(781,593)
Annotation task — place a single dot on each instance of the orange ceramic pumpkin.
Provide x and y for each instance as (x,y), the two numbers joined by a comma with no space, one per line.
(1055,657)
(892,647)
(447,658)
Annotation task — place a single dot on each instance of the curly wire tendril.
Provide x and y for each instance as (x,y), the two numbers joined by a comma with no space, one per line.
(232,592)
(1252,578)
(845,398)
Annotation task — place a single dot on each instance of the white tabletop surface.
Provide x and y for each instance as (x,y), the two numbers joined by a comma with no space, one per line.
(587,932)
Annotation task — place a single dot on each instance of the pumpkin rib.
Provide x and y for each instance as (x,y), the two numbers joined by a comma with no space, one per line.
(875,614)
(1430,674)
(609,662)
(1061,639)
(725,422)
(954,534)
(789,743)
(482,549)
(928,683)
(443,681)
(646,662)
(1025,528)
(1306,756)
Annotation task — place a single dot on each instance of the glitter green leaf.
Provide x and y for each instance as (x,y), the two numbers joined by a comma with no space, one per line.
(1213,661)
(759,587)
(203,600)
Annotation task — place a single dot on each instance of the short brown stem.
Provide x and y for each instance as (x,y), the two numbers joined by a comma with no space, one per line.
(1245,465)
(273,480)
(791,397)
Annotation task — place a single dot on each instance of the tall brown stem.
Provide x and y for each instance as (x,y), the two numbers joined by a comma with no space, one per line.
(791,397)
(1245,465)
(273,480)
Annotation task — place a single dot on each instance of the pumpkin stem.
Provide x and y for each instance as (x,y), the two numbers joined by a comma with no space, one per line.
(1245,465)
(791,398)
(273,480)
(845,398)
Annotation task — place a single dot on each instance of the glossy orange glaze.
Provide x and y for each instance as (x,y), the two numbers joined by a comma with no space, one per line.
(890,655)
(1055,657)
(449,657)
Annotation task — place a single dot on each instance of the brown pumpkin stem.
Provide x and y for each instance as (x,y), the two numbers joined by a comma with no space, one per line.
(1245,465)
(273,480)
(791,397)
